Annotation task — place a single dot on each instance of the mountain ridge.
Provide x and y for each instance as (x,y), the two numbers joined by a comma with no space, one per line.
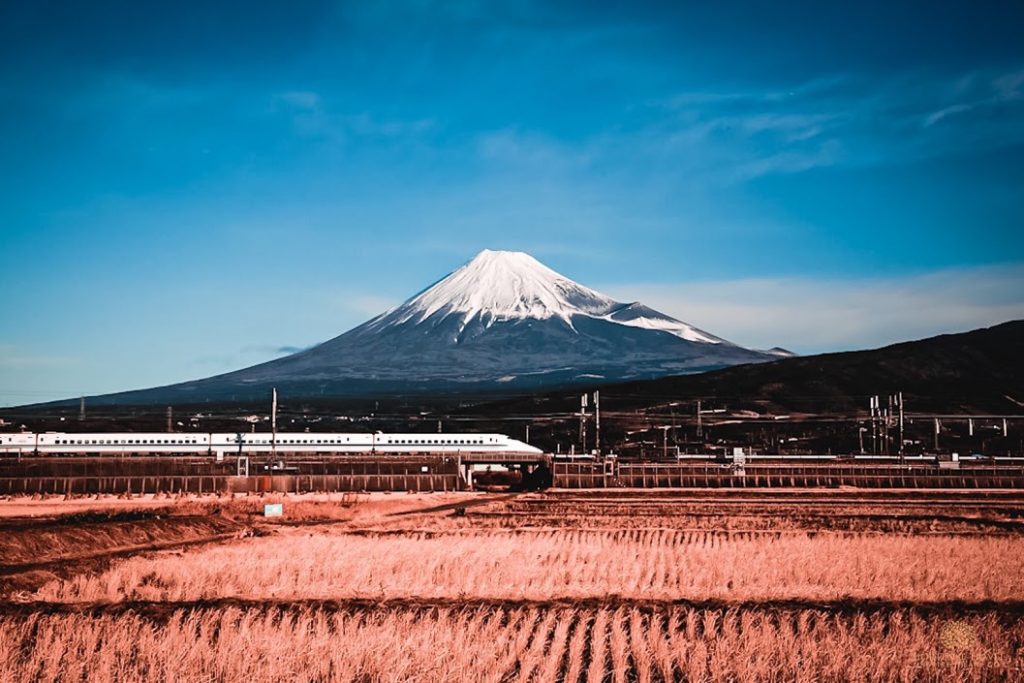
(975,371)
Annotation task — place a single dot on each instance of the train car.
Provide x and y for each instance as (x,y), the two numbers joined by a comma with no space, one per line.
(451,443)
(252,443)
(242,443)
(21,442)
(136,443)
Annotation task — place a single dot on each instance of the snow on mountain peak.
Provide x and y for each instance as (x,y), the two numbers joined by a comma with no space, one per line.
(511,285)
(506,285)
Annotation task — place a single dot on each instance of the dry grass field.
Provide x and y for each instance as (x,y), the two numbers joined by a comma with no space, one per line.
(494,643)
(575,565)
(549,587)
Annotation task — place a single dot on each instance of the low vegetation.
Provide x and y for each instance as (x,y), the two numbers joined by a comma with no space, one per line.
(556,564)
(541,588)
(515,644)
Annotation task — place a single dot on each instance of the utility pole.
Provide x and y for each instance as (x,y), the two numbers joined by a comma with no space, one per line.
(583,424)
(527,432)
(597,422)
(672,413)
(888,424)
(81,410)
(170,419)
(874,426)
(273,423)
(700,429)
(900,395)
(938,426)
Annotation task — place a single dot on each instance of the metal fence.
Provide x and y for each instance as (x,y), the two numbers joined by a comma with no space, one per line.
(137,475)
(709,475)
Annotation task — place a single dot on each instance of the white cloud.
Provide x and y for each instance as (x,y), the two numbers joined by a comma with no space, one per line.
(812,315)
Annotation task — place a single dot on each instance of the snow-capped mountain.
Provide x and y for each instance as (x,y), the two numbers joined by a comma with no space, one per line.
(502,286)
(502,322)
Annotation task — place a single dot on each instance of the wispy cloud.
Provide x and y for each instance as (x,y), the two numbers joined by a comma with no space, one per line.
(515,147)
(811,315)
(271,349)
(313,115)
(12,356)
(367,304)
(842,120)
(734,135)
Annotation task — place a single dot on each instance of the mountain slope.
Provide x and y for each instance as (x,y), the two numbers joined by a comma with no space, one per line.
(503,322)
(977,371)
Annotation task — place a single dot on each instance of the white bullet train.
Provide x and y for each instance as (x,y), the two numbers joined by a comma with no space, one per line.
(245,443)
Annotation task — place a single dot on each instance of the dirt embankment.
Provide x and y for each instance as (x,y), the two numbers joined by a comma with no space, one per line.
(45,539)
(33,551)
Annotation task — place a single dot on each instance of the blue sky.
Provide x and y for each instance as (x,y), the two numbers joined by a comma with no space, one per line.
(191,188)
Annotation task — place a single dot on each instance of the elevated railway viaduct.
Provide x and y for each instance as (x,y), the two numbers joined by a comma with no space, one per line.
(139,474)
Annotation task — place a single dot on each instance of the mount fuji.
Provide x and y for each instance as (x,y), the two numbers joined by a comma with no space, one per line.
(502,323)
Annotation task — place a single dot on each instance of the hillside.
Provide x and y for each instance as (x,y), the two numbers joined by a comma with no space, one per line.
(978,371)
